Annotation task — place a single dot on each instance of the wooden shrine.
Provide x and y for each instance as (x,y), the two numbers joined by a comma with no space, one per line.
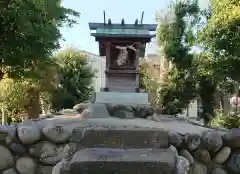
(122,45)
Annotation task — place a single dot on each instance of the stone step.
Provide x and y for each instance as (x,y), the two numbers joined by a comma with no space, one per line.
(120,161)
(120,137)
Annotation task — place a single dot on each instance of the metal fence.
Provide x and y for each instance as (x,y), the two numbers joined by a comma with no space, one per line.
(98,65)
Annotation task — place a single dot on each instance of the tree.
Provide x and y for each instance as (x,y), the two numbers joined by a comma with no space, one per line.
(211,71)
(221,37)
(175,35)
(75,79)
(23,98)
(29,32)
(149,81)
(200,74)
(207,85)
(13,100)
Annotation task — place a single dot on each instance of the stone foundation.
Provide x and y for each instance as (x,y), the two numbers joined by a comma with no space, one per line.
(35,147)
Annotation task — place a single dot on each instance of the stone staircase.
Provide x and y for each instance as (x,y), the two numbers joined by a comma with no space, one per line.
(120,150)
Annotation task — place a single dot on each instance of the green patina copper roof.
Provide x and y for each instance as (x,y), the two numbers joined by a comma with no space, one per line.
(112,31)
(122,30)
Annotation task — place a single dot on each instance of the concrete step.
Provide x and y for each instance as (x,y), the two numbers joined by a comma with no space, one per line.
(126,98)
(123,161)
(120,137)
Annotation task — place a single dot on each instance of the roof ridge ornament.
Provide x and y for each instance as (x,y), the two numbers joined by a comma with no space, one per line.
(104,17)
(142,18)
(109,22)
(136,22)
(122,22)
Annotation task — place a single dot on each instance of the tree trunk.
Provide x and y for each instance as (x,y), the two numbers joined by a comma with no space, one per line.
(45,106)
(207,91)
(236,95)
(217,98)
(1,74)
(33,107)
(4,116)
(226,106)
(187,111)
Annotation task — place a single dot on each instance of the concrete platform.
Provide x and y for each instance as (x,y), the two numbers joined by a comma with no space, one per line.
(120,137)
(119,161)
(121,98)
(96,110)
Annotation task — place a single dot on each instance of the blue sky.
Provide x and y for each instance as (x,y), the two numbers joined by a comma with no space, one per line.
(92,11)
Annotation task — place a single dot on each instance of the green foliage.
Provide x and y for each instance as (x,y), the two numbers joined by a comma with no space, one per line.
(176,36)
(195,75)
(206,84)
(231,121)
(207,90)
(13,93)
(75,79)
(221,37)
(29,32)
(149,83)
(176,92)
(13,99)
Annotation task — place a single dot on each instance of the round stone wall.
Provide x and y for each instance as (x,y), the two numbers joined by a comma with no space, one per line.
(37,146)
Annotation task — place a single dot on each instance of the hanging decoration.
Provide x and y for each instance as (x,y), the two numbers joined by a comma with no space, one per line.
(122,58)
(123,55)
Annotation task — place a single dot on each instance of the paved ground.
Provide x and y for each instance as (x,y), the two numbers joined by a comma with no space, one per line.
(169,124)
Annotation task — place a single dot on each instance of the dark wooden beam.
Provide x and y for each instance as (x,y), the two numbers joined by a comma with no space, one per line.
(103,41)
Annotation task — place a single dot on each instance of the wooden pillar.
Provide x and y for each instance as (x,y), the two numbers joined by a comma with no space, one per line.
(108,63)
(108,55)
(138,48)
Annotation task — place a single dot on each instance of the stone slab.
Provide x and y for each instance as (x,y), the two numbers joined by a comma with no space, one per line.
(120,137)
(121,98)
(120,161)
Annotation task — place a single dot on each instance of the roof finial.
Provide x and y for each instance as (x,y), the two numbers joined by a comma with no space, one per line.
(142,17)
(109,22)
(136,22)
(104,17)
(122,22)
